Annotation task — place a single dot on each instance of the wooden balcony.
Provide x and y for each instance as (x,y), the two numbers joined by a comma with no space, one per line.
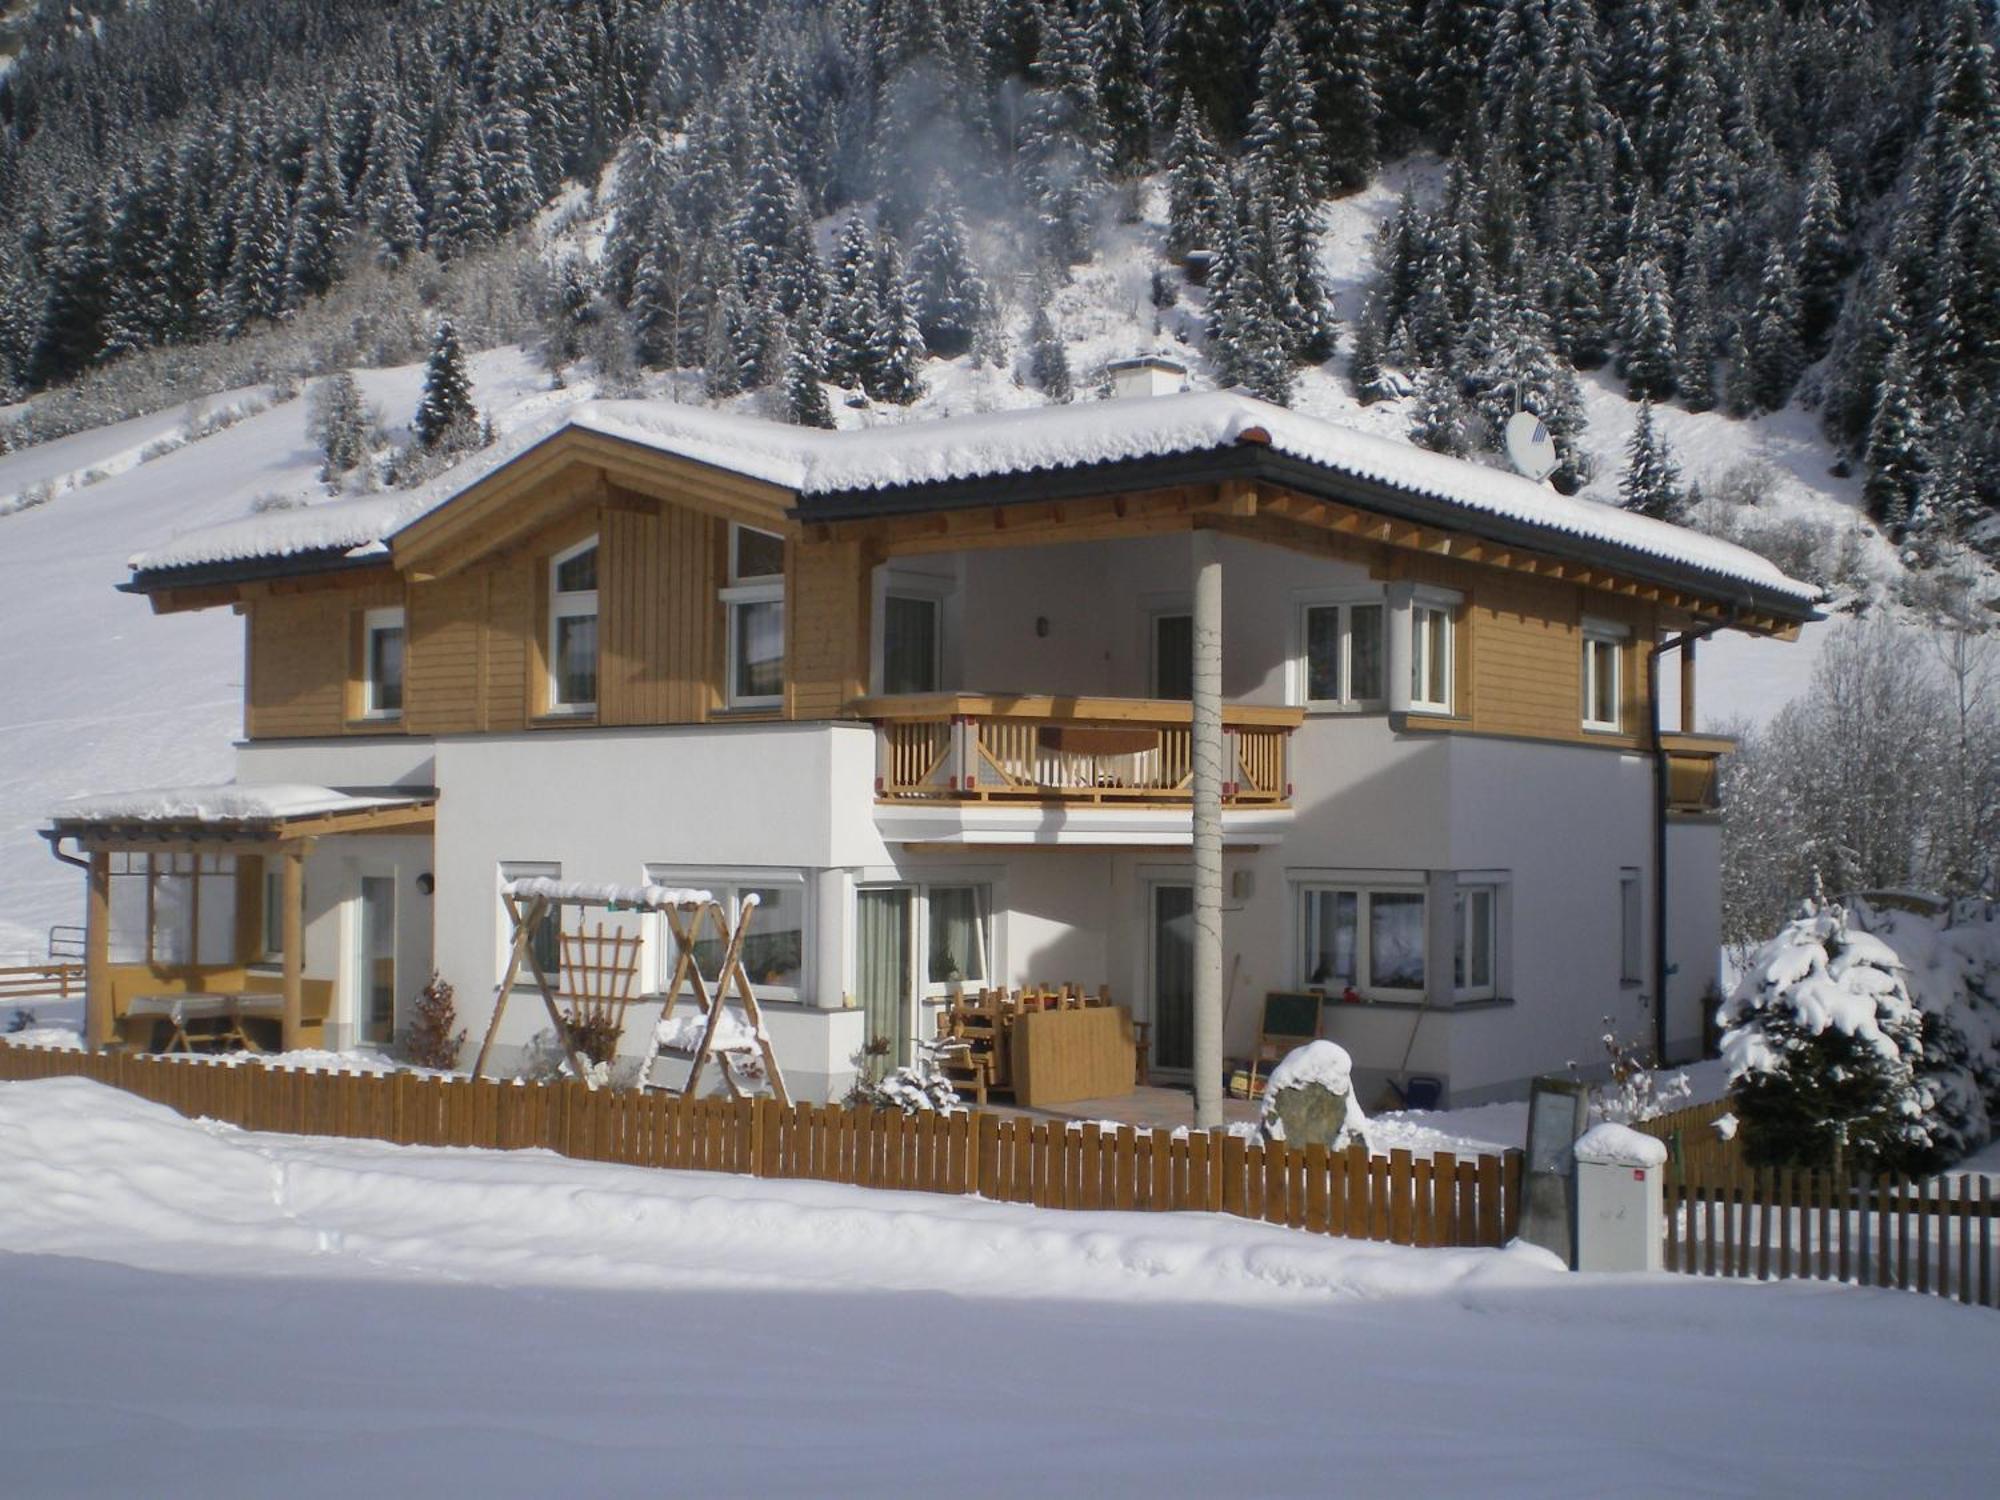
(1694,766)
(1132,752)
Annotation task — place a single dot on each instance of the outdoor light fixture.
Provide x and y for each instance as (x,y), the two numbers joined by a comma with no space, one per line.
(426,883)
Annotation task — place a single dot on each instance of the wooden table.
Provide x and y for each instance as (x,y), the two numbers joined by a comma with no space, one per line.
(200,1017)
(1060,1055)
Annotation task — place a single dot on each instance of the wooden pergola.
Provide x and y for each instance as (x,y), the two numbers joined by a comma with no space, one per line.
(285,831)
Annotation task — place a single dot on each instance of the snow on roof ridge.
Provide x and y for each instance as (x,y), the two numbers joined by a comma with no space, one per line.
(896,454)
(224,802)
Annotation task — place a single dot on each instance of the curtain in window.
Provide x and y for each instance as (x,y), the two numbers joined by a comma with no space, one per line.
(215,936)
(1396,940)
(773,952)
(958,935)
(173,910)
(760,650)
(1173,976)
(910,645)
(1365,652)
(882,970)
(1332,935)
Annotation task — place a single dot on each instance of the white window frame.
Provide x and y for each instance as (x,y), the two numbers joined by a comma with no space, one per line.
(760,588)
(1365,892)
(1446,608)
(376,622)
(1346,601)
(727,886)
(1468,898)
(1631,928)
(928,988)
(1600,641)
(569,605)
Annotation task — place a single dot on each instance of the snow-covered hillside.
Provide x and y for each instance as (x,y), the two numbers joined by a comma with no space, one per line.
(101,694)
(105,697)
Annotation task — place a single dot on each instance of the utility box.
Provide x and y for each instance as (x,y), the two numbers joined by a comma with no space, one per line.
(1619,1176)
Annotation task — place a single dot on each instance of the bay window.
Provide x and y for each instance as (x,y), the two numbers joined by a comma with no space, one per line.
(1344,654)
(1430,657)
(774,949)
(173,910)
(1365,939)
(1473,925)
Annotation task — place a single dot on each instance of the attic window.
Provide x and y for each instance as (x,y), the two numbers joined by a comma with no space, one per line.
(572,641)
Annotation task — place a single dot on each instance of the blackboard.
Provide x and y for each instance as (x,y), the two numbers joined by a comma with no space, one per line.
(1291,1013)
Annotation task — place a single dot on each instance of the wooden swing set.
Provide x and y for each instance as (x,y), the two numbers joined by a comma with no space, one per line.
(599,972)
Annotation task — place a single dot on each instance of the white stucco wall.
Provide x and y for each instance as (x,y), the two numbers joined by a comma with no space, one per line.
(359,762)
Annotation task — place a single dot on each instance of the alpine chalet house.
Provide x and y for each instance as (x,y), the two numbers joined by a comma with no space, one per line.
(924,690)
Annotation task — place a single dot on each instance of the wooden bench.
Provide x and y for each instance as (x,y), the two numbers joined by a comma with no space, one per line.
(207,1018)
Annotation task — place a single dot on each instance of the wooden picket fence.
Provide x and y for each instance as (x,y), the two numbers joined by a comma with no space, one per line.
(1726,1218)
(1436,1201)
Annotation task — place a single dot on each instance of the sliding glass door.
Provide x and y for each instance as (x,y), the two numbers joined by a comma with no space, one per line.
(884,919)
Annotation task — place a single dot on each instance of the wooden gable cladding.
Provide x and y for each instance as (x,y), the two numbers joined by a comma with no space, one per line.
(659,619)
(300,657)
(827,610)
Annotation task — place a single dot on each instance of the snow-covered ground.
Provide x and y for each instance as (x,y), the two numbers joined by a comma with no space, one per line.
(193,1310)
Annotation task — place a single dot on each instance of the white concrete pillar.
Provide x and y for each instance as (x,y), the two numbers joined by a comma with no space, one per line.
(1208,776)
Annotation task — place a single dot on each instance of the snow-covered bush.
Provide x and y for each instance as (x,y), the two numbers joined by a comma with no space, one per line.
(1824,1046)
(1633,1090)
(915,1090)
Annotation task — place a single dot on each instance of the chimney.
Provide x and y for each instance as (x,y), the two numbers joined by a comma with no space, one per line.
(1147,375)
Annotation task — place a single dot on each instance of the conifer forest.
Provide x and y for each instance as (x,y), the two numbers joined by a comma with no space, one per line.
(1732,206)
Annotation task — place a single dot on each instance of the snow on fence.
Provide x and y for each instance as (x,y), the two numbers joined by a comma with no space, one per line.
(1405,1200)
(1726,1218)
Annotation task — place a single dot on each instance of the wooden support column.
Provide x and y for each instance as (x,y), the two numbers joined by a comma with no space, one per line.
(1208,772)
(99,1017)
(1687,688)
(293,913)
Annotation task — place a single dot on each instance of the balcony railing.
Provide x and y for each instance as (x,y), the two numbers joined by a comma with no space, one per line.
(976,747)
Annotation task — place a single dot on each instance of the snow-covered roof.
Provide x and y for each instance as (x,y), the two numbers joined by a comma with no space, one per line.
(898,455)
(227,803)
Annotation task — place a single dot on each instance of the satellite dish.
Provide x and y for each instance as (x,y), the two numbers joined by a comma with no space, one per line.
(1530,448)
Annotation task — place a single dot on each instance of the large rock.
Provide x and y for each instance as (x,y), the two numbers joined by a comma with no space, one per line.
(1309,1099)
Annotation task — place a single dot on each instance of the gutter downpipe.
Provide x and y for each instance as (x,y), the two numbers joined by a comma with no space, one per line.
(1671,643)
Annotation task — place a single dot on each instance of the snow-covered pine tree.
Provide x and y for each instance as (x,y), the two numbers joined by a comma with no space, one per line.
(1124,88)
(1823,257)
(805,397)
(340,423)
(1065,141)
(1651,483)
(1364,358)
(1439,420)
(1823,1044)
(318,229)
(1648,334)
(1340,49)
(853,315)
(395,219)
(898,350)
(461,210)
(1048,359)
(1247,336)
(1897,445)
(1694,326)
(1777,353)
(948,292)
(446,404)
(1197,185)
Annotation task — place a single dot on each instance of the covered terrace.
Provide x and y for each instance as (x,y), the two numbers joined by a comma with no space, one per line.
(197,902)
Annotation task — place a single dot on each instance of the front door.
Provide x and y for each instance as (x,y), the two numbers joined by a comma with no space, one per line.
(1173,978)
(883,919)
(378,957)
